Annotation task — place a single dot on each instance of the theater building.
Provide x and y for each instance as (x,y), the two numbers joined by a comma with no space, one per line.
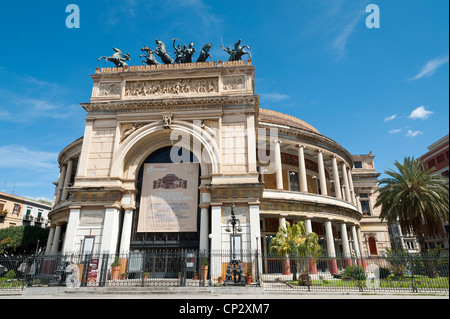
(168,149)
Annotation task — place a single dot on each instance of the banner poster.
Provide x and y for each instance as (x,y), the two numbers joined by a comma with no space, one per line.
(169,199)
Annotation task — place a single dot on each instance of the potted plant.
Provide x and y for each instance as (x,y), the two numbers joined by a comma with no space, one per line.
(123,276)
(115,269)
(195,276)
(220,280)
(205,269)
(179,275)
(145,275)
(248,278)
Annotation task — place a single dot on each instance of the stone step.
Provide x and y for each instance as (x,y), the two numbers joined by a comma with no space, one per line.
(138,290)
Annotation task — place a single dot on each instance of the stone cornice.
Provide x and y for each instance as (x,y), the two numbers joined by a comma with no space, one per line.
(172,103)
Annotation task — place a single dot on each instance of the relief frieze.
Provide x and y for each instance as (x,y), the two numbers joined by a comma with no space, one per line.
(157,88)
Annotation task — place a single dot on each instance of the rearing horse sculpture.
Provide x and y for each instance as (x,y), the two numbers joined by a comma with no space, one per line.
(204,54)
(117,58)
(161,51)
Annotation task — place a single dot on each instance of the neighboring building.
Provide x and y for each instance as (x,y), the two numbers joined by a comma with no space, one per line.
(374,231)
(18,211)
(437,158)
(272,166)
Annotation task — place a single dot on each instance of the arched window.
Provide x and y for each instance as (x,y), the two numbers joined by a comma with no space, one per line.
(373,246)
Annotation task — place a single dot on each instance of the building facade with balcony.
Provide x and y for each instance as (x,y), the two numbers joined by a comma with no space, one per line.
(143,121)
(18,211)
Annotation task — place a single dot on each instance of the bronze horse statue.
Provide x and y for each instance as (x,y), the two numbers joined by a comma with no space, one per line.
(117,58)
(204,54)
(161,51)
(149,57)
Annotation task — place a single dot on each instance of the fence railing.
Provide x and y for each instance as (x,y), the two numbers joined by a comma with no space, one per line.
(180,268)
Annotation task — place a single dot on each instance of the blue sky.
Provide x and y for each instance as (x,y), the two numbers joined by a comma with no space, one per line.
(383,90)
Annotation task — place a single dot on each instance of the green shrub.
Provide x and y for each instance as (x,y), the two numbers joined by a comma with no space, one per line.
(384,272)
(355,272)
(10,274)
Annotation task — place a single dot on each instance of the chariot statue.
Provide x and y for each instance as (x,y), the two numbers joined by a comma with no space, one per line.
(161,51)
(118,58)
(149,56)
(204,54)
(238,51)
(184,54)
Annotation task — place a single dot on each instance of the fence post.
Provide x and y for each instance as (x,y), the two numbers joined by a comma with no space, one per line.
(308,262)
(413,284)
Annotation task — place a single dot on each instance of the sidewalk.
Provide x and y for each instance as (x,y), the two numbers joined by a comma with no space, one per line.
(187,293)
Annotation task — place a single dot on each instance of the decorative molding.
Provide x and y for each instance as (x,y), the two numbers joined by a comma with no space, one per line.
(233,82)
(172,103)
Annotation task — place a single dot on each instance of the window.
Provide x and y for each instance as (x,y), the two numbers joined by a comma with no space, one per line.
(440,158)
(365,207)
(293,181)
(358,164)
(431,163)
(409,244)
(16,209)
(364,195)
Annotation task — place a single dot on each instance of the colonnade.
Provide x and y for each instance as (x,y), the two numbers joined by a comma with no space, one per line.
(64,181)
(344,190)
(331,250)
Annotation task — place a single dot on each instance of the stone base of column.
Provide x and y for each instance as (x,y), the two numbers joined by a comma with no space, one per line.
(333,266)
(362,263)
(312,267)
(347,262)
(286,267)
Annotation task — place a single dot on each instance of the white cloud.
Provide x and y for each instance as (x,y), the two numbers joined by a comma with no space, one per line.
(276,97)
(413,134)
(340,42)
(430,68)
(14,156)
(390,118)
(420,113)
(394,131)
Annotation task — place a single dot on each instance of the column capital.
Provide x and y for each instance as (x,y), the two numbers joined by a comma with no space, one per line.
(319,151)
(277,141)
(300,146)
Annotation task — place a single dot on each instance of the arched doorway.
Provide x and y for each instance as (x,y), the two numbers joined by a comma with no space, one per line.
(173,241)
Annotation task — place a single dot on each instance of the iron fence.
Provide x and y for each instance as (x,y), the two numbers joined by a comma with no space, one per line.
(193,268)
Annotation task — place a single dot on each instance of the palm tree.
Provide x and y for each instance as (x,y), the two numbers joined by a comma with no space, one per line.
(294,242)
(418,199)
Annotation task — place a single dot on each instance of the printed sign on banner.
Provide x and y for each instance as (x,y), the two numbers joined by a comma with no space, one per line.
(169,200)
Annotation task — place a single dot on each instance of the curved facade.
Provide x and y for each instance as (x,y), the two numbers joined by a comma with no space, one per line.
(272,166)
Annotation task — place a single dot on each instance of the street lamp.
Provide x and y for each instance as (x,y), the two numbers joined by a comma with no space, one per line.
(234,270)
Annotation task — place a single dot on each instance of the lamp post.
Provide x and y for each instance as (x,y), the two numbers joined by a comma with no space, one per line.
(234,271)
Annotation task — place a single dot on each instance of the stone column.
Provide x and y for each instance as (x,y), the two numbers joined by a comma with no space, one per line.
(126,231)
(51,234)
(67,180)
(352,191)
(279,170)
(348,197)
(330,247)
(60,186)
(359,258)
(285,263)
(71,231)
(345,245)
(337,183)
(110,231)
(308,230)
(216,241)
(204,228)
(56,239)
(255,237)
(323,181)
(302,169)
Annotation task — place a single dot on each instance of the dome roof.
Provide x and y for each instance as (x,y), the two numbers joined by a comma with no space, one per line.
(274,117)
